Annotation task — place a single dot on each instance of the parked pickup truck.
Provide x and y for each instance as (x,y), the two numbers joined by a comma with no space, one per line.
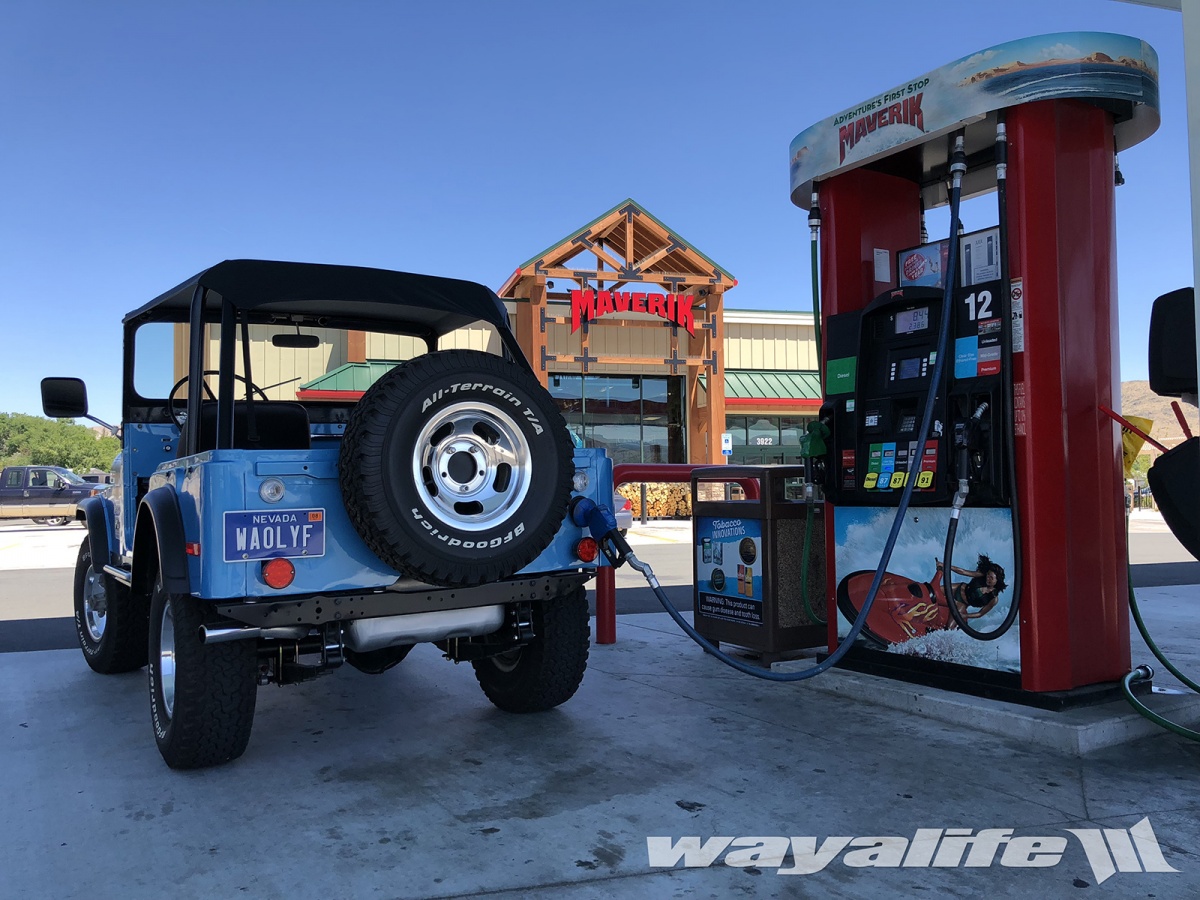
(260,531)
(46,494)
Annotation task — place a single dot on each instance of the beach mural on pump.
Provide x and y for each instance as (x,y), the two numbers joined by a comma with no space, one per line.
(1072,64)
(910,615)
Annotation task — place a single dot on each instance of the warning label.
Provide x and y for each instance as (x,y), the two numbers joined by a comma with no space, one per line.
(748,612)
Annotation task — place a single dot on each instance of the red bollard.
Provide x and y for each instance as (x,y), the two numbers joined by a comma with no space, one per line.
(606,605)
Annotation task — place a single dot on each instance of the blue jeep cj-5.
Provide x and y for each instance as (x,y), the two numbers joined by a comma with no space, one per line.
(257,533)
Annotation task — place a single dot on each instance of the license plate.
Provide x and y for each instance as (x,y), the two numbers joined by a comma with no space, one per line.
(267,534)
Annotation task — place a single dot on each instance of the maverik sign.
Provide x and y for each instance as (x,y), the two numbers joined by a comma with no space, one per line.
(1084,64)
(588,305)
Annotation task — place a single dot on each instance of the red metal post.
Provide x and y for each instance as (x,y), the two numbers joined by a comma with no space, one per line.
(606,605)
(1075,613)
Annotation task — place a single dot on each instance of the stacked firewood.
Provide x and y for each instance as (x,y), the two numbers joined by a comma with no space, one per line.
(663,501)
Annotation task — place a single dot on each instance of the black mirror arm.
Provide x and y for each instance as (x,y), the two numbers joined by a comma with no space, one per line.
(113,429)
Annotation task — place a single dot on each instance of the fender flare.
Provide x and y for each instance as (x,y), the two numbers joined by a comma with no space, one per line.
(159,520)
(98,515)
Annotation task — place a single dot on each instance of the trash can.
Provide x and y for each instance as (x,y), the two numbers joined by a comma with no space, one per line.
(749,561)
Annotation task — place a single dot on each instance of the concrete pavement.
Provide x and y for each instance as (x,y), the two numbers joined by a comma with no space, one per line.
(410,784)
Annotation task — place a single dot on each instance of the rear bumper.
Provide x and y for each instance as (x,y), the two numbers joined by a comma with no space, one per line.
(404,597)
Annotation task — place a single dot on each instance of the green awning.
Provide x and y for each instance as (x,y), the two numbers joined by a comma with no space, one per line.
(746,385)
(356,377)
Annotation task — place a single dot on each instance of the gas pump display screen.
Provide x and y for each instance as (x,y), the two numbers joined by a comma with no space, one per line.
(911,320)
(909,368)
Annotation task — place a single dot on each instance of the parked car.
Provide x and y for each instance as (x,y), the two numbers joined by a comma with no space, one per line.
(249,540)
(46,494)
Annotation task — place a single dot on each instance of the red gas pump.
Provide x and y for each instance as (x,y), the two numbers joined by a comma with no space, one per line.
(1020,467)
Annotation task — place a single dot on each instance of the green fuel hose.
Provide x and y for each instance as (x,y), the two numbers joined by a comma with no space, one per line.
(814,228)
(1145,673)
(812,615)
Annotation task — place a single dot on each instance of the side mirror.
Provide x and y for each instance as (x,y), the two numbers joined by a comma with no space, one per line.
(1172,351)
(64,398)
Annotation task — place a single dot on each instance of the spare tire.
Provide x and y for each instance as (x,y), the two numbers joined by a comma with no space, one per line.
(456,468)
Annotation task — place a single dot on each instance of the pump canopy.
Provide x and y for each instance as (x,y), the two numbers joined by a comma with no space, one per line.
(901,125)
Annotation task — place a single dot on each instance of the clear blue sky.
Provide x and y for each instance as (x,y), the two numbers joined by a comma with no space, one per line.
(142,142)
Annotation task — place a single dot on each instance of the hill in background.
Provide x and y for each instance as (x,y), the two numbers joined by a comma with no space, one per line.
(1138,400)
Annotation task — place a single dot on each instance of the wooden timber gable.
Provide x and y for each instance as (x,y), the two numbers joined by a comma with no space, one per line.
(618,295)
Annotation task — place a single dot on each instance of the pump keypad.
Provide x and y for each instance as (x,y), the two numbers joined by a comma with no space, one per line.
(888,463)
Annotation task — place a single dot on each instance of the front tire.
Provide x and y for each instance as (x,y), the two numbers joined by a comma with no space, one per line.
(112,628)
(57,521)
(201,695)
(548,670)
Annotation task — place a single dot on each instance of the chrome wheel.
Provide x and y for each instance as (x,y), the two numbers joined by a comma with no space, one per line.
(472,466)
(166,658)
(95,604)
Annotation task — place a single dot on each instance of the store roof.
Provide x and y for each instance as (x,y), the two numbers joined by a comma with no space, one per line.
(742,385)
(352,377)
(637,248)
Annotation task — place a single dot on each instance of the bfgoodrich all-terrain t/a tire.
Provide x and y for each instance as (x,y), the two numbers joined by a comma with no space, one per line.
(111,627)
(549,669)
(456,468)
(201,695)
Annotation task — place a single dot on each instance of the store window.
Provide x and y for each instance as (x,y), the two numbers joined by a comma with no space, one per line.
(635,418)
(766,440)
(762,431)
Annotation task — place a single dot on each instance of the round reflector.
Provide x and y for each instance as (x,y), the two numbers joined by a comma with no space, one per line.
(587,549)
(278,573)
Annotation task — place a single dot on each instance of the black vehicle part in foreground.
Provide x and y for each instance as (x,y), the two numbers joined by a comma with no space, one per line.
(202,696)
(111,625)
(549,669)
(438,463)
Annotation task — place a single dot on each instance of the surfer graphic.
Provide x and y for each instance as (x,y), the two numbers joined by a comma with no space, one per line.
(981,593)
(905,608)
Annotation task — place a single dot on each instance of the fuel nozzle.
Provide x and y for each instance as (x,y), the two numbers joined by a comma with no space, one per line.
(970,436)
(968,441)
(602,525)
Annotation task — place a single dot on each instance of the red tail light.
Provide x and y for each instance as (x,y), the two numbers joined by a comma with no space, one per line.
(278,573)
(587,549)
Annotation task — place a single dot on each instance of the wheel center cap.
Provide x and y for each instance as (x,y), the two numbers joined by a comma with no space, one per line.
(461,467)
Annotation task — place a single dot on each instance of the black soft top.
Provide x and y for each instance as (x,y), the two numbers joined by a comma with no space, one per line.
(344,295)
